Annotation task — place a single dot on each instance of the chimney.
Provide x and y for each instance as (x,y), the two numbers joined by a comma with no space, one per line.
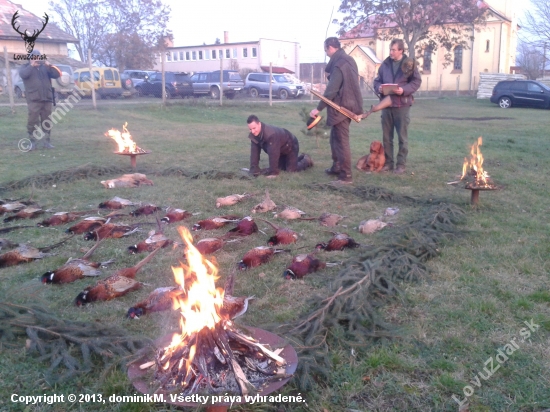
(226,37)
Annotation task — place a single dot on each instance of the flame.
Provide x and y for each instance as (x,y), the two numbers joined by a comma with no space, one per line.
(124,140)
(200,305)
(474,165)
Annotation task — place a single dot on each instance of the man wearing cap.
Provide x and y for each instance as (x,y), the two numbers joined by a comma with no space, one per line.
(343,89)
(36,76)
(280,145)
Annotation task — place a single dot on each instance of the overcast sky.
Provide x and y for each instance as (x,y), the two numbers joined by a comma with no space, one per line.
(199,22)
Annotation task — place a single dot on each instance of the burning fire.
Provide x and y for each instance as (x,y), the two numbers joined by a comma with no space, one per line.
(200,305)
(474,166)
(124,140)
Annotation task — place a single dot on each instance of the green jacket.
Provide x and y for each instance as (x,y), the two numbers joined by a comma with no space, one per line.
(38,86)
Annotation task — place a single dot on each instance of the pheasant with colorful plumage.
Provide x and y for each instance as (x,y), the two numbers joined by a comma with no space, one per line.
(282,236)
(25,253)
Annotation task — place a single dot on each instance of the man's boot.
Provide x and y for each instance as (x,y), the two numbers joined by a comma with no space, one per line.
(33,142)
(47,144)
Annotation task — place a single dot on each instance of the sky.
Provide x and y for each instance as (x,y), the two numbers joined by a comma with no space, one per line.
(199,22)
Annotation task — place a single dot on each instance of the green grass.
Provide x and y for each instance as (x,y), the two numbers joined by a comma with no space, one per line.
(482,287)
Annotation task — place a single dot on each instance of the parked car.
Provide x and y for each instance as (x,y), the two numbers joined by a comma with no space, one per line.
(528,93)
(107,82)
(257,84)
(208,83)
(137,76)
(63,85)
(176,84)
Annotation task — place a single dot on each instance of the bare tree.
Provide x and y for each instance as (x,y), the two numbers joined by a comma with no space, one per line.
(422,23)
(537,23)
(119,33)
(530,58)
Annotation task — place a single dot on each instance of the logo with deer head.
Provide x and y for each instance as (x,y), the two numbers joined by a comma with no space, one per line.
(29,39)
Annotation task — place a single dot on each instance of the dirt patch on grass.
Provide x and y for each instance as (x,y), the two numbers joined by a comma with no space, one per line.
(474,119)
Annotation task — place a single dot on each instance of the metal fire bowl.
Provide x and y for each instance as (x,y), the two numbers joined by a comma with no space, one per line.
(132,154)
(481,188)
(138,377)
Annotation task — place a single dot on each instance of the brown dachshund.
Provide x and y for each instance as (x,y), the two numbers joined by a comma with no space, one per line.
(373,162)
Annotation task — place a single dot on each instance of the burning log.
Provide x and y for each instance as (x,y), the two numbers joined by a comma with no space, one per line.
(211,355)
(472,171)
(124,141)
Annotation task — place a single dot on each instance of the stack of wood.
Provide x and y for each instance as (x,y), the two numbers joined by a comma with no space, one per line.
(488,81)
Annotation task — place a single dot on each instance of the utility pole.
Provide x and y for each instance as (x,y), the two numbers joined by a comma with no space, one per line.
(544,60)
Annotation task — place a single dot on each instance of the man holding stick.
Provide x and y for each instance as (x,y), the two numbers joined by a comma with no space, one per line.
(342,89)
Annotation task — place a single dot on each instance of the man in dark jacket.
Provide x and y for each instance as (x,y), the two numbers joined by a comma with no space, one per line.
(280,145)
(36,77)
(397,115)
(343,89)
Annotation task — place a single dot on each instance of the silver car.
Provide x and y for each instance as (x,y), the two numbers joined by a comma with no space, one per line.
(257,84)
(63,85)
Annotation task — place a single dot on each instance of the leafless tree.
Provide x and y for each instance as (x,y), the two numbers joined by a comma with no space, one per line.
(537,22)
(422,23)
(530,58)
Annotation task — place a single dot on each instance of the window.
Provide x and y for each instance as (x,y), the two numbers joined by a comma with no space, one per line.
(175,56)
(181,55)
(234,53)
(427,63)
(245,52)
(213,54)
(254,52)
(169,56)
(487,45)
(220,54)
(200,54)
(227,53)
(187,56)
(193,55)
(458,58)
(207,55)
(532,87)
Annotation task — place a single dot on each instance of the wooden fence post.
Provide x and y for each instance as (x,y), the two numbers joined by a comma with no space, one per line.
(92,78)
(457,85)
(8,80)
(440,84)
(270,83)
(311,87)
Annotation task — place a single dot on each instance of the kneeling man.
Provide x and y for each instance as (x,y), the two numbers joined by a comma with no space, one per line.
(280,145)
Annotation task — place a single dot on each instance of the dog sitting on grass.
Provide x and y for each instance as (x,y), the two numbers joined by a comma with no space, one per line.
(373,162)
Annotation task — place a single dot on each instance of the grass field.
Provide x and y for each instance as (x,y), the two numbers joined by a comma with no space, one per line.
(481,289)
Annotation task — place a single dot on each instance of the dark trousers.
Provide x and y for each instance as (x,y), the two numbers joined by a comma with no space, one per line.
(396,118)
(38,112)
(341,151)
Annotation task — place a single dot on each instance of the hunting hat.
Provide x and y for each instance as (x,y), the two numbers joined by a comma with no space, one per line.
(35,53)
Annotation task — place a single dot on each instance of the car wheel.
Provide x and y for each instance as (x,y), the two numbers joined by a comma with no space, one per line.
(254,92)
(505,102)
(18,92)
(283,94)
(139,91)
(214,93)
(167,94)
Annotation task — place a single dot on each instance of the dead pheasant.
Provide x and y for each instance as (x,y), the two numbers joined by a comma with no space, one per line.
(12,207)
(302,265)
(154,241)
(110,288)
(116,203)
(245,227)
(26,253)
(209,245)
(371,226)
(110,230)
(76,269)
(144,210)
(86,225)
(131,272)
(265,206)
(60,218)
(339,241)
(283,236)
(231,200)
(330,219)
(289,213)
(233,306)
(215,222)
(159,300)
(175,215)
(258,256)
(26,213)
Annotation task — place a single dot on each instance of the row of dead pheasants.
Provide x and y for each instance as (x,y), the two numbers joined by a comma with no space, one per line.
(123,280)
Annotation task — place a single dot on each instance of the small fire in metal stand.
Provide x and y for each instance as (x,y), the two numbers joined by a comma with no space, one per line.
(126,145)
(212,355)
(472,172)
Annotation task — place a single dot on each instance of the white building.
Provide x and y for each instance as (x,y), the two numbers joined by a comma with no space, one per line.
(244,56)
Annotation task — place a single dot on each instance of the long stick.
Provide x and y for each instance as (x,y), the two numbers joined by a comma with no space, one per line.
(341,109)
